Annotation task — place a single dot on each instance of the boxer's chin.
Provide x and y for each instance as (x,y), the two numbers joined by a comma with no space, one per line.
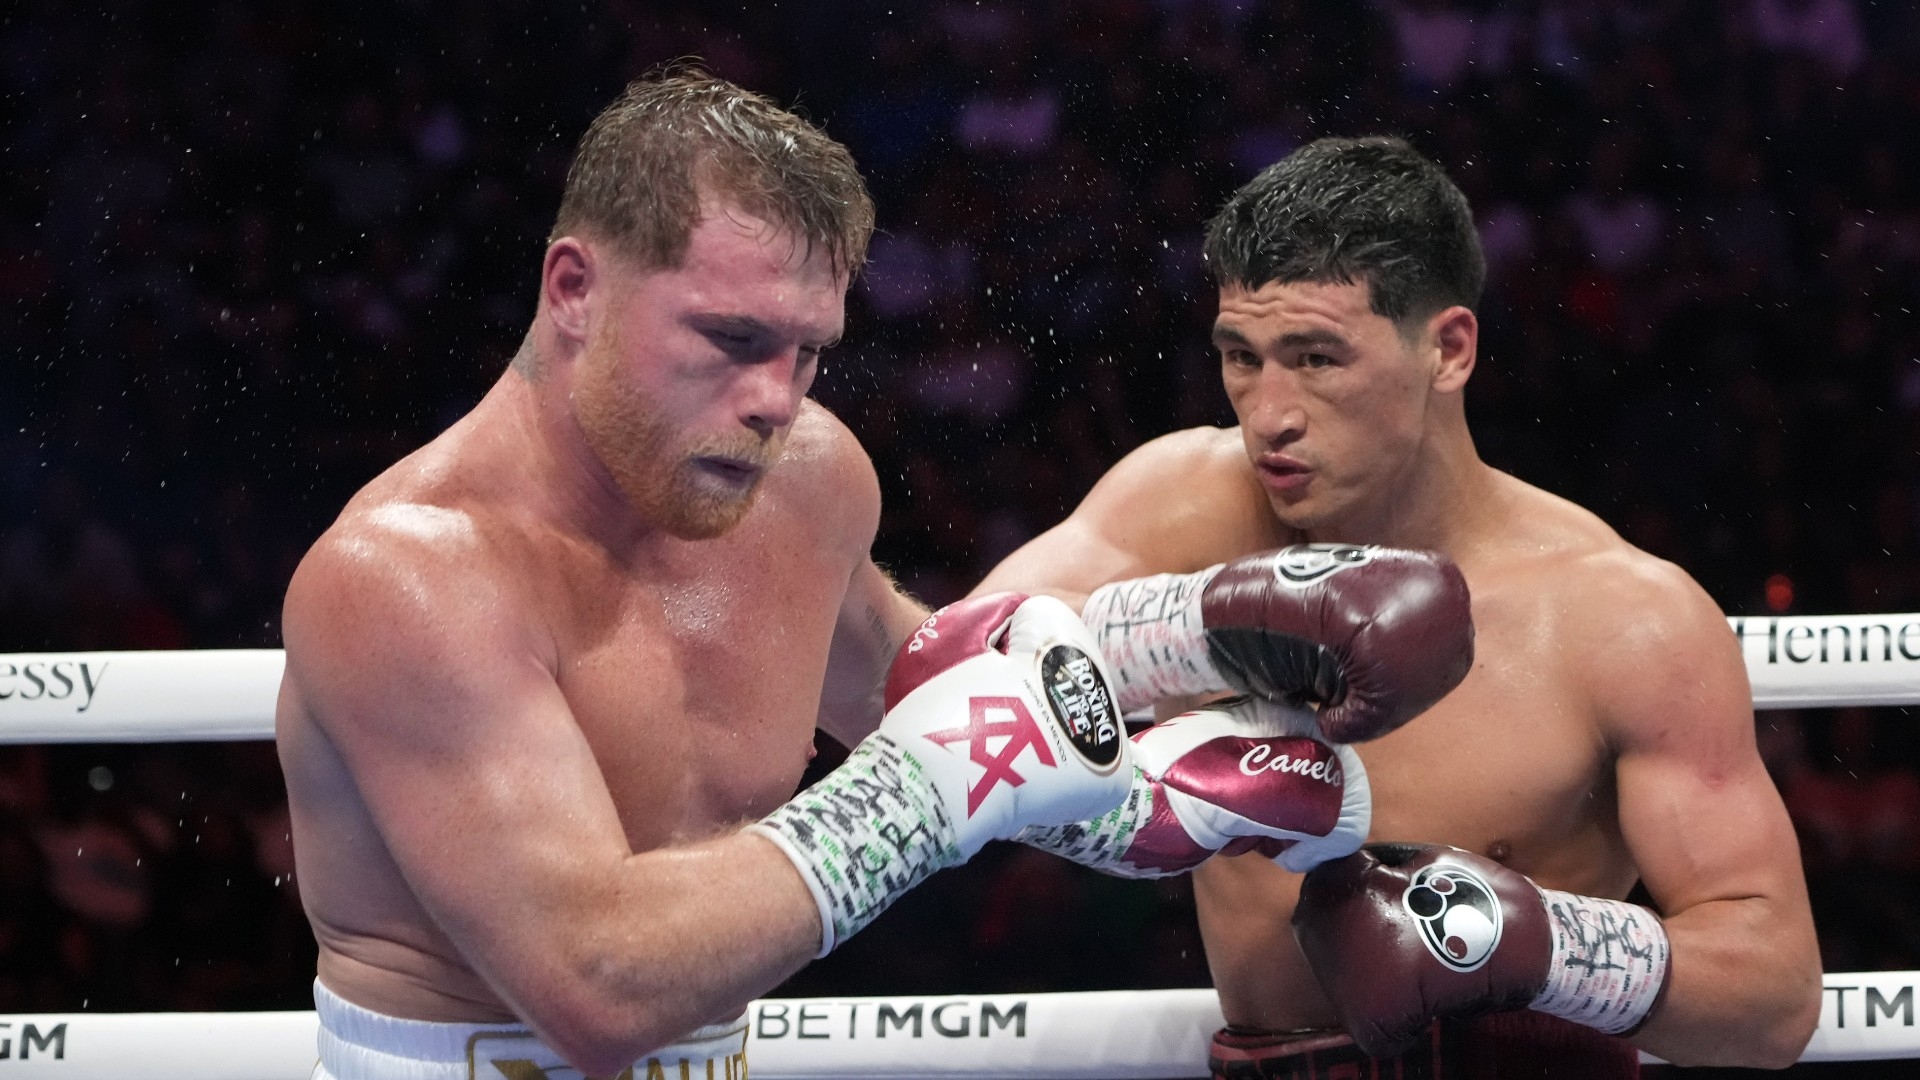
(660,474)
(677,500)
(1319,512)
(695,512)
(1298,514)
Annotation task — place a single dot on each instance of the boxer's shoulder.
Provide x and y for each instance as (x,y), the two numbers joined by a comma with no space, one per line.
(1189,497)
(402,578)
(1210,453)
(824,467)
(1573,560)
(399,526)
(1544,546)
(821,448)
(1624,622)
(1648,635)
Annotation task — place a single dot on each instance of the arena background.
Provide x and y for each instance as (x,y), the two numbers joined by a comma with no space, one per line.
(251,254)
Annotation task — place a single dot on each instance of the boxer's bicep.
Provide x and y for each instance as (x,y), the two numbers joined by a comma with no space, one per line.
(1068,561)
(1697,808)
(1708,833)
(874,616)
(1147,515)
(875,619)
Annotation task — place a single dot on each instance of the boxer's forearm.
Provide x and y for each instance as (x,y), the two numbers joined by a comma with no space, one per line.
(680,938)
(1744,988)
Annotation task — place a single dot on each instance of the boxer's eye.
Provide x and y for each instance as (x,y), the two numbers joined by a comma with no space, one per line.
(1316,360)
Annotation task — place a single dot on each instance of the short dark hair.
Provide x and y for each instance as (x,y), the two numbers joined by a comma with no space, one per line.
(1346,210)
(638,174)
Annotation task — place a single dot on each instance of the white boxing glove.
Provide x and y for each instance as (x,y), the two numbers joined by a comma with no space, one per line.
(1247,775)
(999,716)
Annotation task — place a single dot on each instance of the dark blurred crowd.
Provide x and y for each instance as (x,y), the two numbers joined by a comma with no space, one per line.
(252,254)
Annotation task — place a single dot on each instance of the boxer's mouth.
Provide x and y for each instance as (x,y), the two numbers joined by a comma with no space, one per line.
(1283,474)
(731,470)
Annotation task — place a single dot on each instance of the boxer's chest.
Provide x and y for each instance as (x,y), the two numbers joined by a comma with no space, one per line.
(699,694)
(1511,764)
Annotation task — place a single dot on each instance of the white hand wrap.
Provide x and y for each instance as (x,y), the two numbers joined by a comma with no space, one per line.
(866,833)
(1103,843)
(1609,962)
(1152,635)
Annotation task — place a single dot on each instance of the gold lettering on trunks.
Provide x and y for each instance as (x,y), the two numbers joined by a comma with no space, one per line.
(548,1066)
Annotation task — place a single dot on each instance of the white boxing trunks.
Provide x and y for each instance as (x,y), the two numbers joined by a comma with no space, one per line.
(360,1044)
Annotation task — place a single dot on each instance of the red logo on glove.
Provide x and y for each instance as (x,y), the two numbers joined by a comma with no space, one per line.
(1018,729)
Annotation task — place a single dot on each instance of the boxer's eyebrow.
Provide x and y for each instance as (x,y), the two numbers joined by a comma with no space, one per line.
(1307,339)
(1227,335)
(1297,339)
(736,325)
(748,326)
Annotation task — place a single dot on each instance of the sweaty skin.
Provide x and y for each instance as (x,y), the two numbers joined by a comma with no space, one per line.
(522,720)
(1605,733)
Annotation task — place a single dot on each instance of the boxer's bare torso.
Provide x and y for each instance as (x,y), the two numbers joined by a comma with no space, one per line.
(1515,763)
(693,671)
(1522,762)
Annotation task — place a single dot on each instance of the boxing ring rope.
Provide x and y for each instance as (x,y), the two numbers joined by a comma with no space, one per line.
(200,695)
(1101,1035)
(222,694)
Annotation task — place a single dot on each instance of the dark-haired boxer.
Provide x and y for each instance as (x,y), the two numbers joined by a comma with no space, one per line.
(1603,737)
(541,671)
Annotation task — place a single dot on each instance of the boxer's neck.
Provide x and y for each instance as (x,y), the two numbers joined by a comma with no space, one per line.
(539,449)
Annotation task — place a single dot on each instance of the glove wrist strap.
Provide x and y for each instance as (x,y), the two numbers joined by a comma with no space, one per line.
(1104,842)
(1153,636)
(1610,961)
(865,834)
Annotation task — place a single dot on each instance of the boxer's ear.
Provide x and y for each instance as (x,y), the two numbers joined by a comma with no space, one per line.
(1454,336)
(567,278)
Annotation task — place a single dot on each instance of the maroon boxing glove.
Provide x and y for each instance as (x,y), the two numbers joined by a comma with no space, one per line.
(1401,934)
(1372,636)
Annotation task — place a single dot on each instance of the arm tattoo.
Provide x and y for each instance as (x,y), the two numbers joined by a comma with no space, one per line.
(881,636)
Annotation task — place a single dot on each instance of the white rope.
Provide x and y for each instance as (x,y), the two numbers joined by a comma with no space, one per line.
(1132,1034)
(1807,661)
(159,696)
(209,694)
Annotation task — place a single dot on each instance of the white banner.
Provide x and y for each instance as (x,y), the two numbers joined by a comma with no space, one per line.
(1085,1036)
(1801,661)
(184,695)
(1108,1035)
(1805,661)
(1866,1016)
(160,1046)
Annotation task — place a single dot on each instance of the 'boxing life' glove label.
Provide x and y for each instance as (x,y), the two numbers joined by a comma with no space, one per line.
(1083,705)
